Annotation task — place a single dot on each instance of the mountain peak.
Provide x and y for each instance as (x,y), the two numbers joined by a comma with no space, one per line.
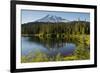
(51,18)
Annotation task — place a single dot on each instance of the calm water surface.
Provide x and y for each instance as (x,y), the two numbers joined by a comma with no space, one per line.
(50,47)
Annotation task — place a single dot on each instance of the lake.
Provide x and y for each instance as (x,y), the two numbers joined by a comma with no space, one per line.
(50,47)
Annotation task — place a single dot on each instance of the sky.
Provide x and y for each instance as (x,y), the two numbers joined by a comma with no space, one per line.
(33,15)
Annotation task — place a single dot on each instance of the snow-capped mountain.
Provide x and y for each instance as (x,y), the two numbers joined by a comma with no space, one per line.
(51,18)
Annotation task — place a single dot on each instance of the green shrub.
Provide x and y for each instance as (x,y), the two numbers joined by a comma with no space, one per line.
(82,53)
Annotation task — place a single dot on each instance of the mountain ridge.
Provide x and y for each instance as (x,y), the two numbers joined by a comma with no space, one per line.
(52,18)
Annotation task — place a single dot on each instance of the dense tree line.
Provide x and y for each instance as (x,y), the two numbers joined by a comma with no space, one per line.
(74,27)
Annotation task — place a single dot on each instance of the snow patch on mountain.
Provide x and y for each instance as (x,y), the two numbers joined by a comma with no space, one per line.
(52,18)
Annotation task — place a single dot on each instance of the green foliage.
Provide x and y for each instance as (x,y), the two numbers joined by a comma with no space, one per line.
(58,57)
(82,53)
(75,27)
(40,57)
(70,58)
(24,59)
(76,32)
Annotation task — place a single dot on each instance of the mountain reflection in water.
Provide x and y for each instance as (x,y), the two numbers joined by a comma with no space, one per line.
(50,47)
